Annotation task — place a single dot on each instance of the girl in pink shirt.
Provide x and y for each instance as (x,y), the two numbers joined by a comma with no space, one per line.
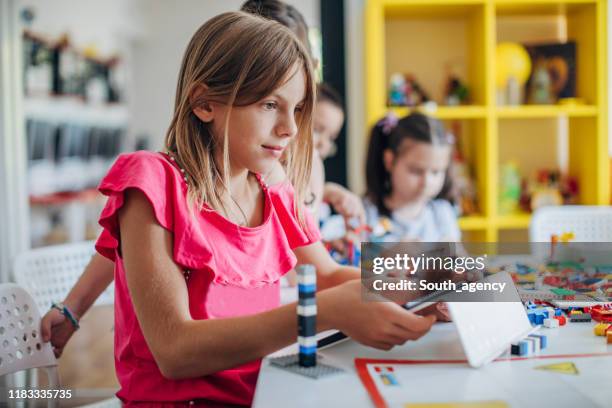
(201,234)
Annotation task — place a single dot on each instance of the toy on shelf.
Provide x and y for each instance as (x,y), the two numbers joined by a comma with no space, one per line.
(513,67)
(463,176)
(554,75)
(466,189)
(540,91)
(397,90)
(404,90)
(456,92)
(549,187)
(510,188)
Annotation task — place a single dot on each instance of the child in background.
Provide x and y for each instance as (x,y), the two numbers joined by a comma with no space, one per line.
(408,181)
(187,230)
(327,123)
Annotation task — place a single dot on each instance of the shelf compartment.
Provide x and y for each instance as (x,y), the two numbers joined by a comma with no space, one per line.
(550,22)
(444,112)
(473,222)
(540,7)
(545,111)
(455,41)
(519,220)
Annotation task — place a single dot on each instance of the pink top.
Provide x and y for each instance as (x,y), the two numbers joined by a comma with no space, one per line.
(233,271)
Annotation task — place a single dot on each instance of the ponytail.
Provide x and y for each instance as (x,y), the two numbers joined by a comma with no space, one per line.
(378,179)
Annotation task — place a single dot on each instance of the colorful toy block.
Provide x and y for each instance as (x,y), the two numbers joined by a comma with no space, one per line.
(600,329)
(534,345)
(542,340)
(551,323)
(602,315)
(563,292)
(519,349)
(580,318)
(531,345)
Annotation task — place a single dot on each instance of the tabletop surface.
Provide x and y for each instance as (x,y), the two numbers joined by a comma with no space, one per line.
(277,387)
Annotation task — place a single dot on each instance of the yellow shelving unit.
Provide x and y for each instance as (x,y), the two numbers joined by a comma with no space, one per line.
(446,112)
(421,36)
(545,111)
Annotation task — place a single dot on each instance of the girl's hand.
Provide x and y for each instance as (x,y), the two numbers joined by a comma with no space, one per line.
(55,327)
(382,325)
(345,202)
(440,310)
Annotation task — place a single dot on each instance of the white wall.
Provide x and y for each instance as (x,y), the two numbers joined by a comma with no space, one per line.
(13,196)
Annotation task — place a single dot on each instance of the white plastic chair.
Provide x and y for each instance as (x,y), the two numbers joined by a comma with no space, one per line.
(49,273)
(587,223)
(21,345)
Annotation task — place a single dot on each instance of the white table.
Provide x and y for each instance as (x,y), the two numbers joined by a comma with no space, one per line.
(280,388)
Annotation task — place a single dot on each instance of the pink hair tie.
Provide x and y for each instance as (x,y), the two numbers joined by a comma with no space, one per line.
(388,123)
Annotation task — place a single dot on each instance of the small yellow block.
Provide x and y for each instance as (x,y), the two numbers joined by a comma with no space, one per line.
(601,329)
(529,277)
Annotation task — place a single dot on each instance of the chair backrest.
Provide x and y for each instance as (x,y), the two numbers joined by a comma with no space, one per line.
(21,345)
(49,273)
(587,223)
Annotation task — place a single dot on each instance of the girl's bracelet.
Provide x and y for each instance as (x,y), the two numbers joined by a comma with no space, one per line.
(63,309)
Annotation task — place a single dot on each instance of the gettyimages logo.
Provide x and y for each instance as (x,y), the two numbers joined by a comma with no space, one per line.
(403,272)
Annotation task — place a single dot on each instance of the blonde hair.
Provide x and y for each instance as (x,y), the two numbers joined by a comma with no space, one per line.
(240,58)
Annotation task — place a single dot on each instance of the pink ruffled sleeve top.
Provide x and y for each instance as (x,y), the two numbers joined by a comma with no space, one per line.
(230,271)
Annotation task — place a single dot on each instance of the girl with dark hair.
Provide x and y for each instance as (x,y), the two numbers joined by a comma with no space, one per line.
(408,180)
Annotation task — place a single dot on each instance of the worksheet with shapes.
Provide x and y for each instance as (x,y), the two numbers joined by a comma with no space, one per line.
(564,381)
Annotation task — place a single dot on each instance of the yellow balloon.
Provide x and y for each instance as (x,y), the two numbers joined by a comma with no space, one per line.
(512,60)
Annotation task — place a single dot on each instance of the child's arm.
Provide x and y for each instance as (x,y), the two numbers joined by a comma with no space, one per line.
(187,348)
(316,185)
(345,202)
(329,272)
(97,276)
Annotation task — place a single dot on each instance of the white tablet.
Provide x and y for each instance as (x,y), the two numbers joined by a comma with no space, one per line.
(487,329)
